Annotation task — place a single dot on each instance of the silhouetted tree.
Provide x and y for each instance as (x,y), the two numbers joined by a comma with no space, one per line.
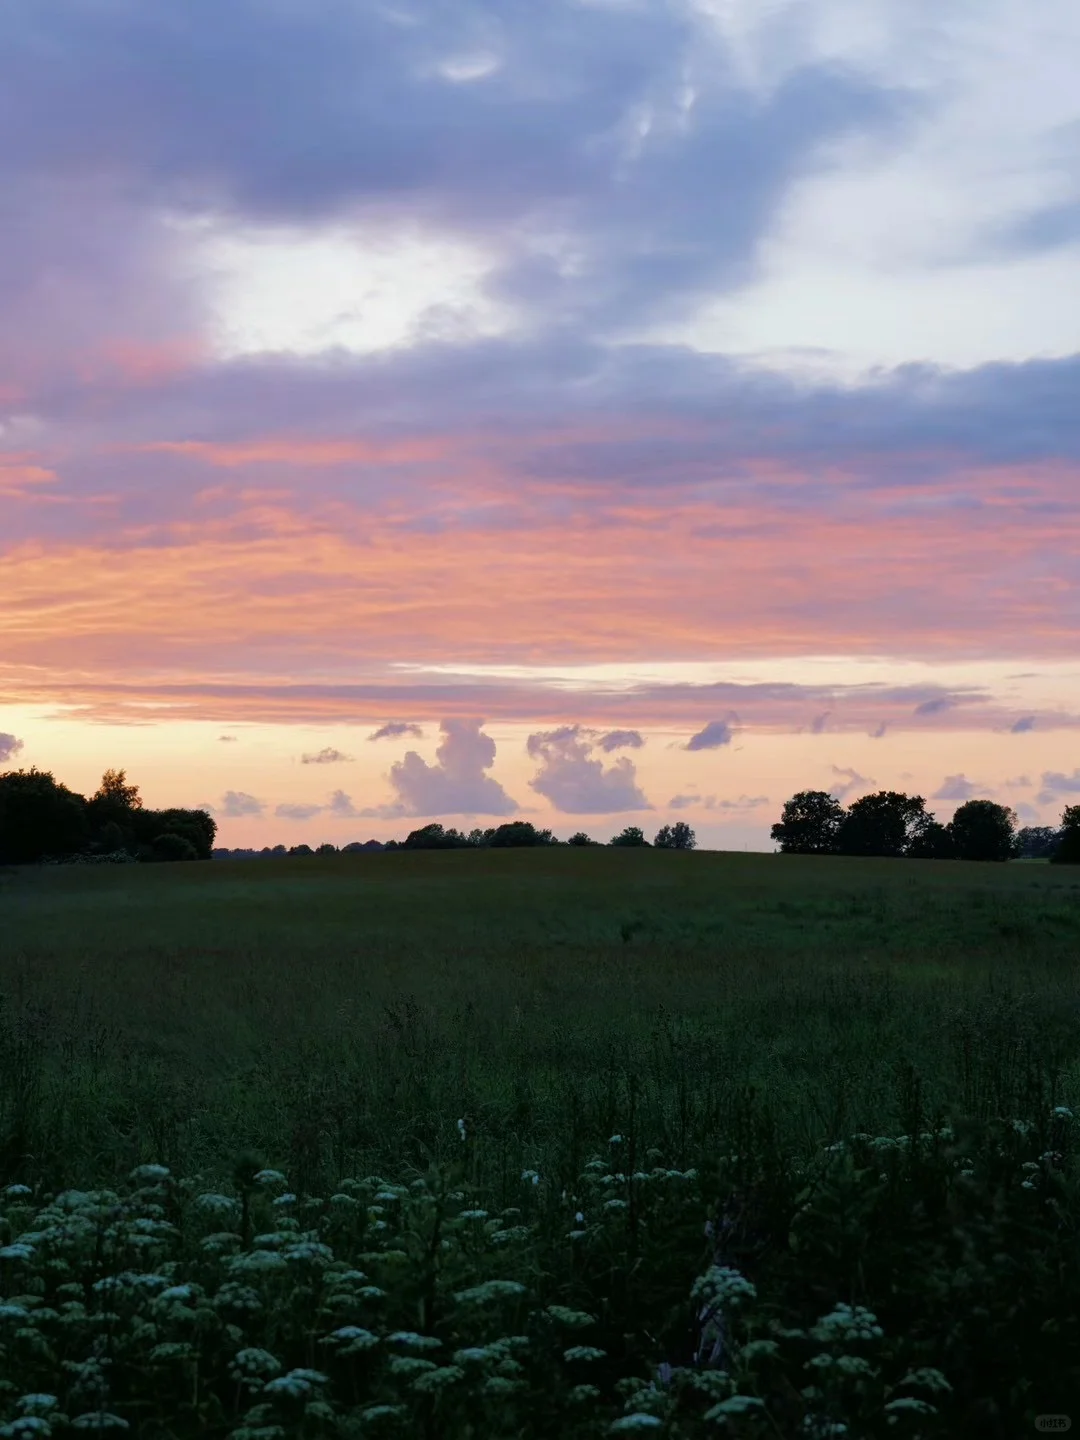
(675,837)
(933,841)
(39,818)
(810,824)
(326,849)
(984,830)
(1068,848)
(519,833)
(171,847)
(885,823)
(301,850)
(633,835)
(1037,842)
(580,838)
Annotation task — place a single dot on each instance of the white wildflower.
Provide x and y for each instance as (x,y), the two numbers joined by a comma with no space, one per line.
(270,1177)
(461,1128)
(146,1175)
(583,1352)
(473,1215)
(413,1341)
(435,1380)
(99,1420)
(734,1405)
(490,1290)
(297,1384)
(637,1422)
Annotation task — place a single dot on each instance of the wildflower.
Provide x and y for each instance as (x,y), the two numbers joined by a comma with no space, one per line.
(146,1175)
(734,1405)
(530,1176)
(282,1200)
(215,1204)
(1061,1112)
(99,1420)
(583,1352)
(381,1412)
(722,1285)
(410,1365)
(26,1426)
(461,1128)
(36,1401)
(490,1290)
(435,1380)
(297,1384)
(413,1341)
(270,1177)
(13,1192)
(911,1405)
(634,1423)
(579,1218)
(255,1260)
(252,1363)
(846,1322)
(932,1380)
(615,1140)
(309,1250)
(573,1319)
(473,1215)
(16,1252)
(353,1337)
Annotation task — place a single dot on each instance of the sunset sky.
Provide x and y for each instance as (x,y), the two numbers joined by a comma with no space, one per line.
(600,411)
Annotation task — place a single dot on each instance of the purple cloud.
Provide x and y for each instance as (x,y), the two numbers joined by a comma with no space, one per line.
(297,812)
(575,782)
(848,781)
(1055,784)
(957,787)
(394,728)
(9,747)
(714,735)
(1023,725)
(328,756)
(620,740)
(457,783)
(236,803)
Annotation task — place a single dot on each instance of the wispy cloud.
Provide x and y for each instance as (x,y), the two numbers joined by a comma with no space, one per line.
(848,781)
(237,803)
(327,756)
(958,787)
(395,728)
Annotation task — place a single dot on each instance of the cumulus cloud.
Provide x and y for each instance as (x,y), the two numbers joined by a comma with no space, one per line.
(715,734)
(394,728)
(9,747)
(577,783)
(288,811)
(236,803)
(620,740)
(847,781)
(957,787)
(1024,724)
(1018,782)
(341,806)
(457,783)
(328,756)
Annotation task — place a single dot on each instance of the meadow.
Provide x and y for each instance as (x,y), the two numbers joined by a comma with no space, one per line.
(544,1069)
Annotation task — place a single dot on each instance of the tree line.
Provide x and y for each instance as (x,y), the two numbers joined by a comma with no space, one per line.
(41,819)
(891,823)
(515,834)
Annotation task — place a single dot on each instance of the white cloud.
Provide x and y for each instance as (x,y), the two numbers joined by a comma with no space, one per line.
(575,782)
(957,787)
(456,784)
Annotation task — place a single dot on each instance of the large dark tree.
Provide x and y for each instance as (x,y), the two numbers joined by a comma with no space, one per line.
(519,833)
(810,824)
(984,830)
(886,823)
(630,837)
(675,837)
(39,818)
(933,841)
(1068,849)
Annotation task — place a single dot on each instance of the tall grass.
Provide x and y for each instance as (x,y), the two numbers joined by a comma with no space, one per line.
(734,1016)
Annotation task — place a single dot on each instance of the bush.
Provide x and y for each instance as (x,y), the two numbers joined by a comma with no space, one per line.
(171,846)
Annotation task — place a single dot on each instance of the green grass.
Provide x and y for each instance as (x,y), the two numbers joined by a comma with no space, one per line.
(346,1011)
(727,1015)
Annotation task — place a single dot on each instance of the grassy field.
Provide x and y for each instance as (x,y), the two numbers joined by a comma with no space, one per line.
(731,1014)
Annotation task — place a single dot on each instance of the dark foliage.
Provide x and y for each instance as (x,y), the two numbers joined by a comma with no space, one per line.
(39,818)
(632,836)
(675,837)
(984,830)
(810,824)
(1067,851)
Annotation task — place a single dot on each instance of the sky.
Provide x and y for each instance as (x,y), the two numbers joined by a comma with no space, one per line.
(602,412)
